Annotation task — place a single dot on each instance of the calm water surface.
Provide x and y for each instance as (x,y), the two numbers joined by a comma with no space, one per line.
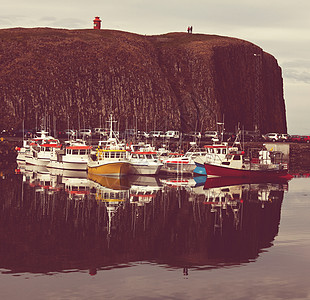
(68,236)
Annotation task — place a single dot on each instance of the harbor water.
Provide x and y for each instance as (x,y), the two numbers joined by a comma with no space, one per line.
(74,236)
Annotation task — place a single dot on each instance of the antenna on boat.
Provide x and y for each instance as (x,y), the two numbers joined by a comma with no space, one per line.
(111,121)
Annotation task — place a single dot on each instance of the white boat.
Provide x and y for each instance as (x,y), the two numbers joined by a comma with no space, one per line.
(74,156)
(40,154)
(112,159)
(22,151)
(144,163)
(184,163)
(40,138)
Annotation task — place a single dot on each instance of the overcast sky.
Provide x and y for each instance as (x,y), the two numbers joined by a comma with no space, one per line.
(281,28)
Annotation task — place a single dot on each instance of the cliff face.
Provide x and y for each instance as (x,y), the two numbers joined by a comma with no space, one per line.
(175,81)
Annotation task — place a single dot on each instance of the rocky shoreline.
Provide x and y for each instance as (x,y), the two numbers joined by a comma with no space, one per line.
(299,155)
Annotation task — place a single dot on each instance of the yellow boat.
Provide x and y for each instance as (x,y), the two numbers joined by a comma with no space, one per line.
(111,162)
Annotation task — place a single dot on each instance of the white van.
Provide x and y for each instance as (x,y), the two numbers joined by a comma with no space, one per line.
(172,134)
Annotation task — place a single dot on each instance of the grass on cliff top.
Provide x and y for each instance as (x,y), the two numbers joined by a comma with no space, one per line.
(169,39)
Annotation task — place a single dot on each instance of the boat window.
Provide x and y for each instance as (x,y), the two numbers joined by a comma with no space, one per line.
(117,155)
(75,152)
(141,156)
(112,154)
(82,152)
(224,151)
(149,156)
(211,150)
(236,157)
(218,151)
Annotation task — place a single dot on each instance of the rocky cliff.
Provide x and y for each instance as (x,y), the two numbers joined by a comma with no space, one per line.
(174,81)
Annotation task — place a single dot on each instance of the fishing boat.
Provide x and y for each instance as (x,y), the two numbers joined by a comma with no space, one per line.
(111,159)
(40,154)
(23,150)
(259,163)
(74,156)
(184,163)
(144,162)
(41,137)
(214,153)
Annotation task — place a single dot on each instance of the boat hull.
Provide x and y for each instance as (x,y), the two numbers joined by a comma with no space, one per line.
(145,169)
(200,169)
(220,171)
(119,168)
(37,161)
(76,166)
(179,167)
(115,183)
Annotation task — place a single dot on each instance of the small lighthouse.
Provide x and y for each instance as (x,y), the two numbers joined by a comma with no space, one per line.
(97,23)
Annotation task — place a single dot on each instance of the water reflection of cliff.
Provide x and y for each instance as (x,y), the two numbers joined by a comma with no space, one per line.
(52,223)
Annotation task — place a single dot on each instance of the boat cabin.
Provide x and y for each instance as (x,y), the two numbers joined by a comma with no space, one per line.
(78,150)
(119,154)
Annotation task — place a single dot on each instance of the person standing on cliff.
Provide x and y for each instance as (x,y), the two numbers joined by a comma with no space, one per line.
(188,29)
(191,29)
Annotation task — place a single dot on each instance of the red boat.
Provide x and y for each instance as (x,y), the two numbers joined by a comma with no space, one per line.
(262,165)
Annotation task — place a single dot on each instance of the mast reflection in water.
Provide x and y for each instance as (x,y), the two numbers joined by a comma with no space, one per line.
(70,222)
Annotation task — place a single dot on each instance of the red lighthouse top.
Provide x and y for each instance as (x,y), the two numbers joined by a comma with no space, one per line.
(97,23)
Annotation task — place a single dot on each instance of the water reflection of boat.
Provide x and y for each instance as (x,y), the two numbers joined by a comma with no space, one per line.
(111,182)
(113,192)
(227,181)
(68,173)
(143,189)
(144,180)
(117,221)
(76,187)
(40,178)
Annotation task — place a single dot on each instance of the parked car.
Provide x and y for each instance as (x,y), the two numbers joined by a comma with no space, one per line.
(100,132)
(273,137)
(27,133)
(229,137)
(295,138)
(211,136)
(306,138)
(143,134)
(283,137)
(192,135)
(172,134)
(157,134)
(67,133)
(84,133)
